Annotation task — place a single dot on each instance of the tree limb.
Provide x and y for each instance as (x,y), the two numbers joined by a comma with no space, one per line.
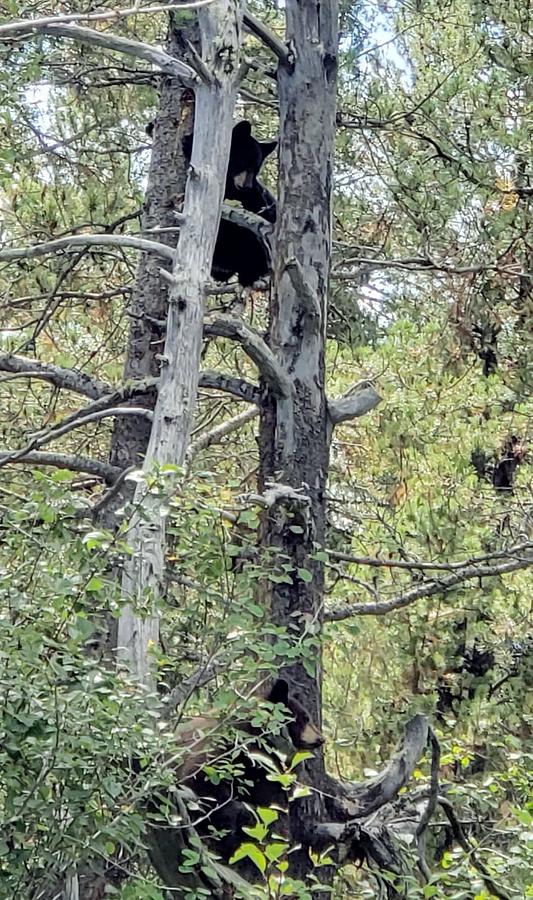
(80,383)
(54,433)
(75,463)
(137,49)
(420,264)
(356,402)
(239,387)
(429,589)
(271,40)
(199,678)
(217,434)
(69,379)
(96,508)
(28,25)
(380,790)
(87,240)
(513,552)
(463,842)
(254,346)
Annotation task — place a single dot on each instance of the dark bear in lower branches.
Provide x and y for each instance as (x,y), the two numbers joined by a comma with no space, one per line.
(239,249)
(228,778)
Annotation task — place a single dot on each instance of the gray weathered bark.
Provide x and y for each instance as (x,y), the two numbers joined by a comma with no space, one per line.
(294,428)
(220,27)
(166,184)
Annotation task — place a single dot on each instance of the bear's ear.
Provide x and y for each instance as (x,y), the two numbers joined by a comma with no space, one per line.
(242,130)
(267,147)
(187,146)
(279,692)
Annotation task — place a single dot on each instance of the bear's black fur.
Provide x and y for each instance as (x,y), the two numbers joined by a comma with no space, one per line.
(239,773)
(239,250)
(246,157)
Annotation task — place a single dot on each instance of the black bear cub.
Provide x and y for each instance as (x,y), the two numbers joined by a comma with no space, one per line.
(239,250)
(246,157)
(242,779)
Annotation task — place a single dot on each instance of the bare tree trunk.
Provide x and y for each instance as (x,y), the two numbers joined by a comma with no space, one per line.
(220,27)
(294,431)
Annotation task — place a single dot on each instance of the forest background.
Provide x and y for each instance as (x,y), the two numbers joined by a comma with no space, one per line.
(428,532)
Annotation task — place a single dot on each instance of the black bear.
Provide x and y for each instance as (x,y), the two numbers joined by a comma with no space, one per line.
(227,779)
(239,250)
(246,157)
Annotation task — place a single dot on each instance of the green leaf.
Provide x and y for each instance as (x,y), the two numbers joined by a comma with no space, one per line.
(95,584)
(276,849)
(299,757)
(304,575)
(267,815)
(250,851)
(258,831)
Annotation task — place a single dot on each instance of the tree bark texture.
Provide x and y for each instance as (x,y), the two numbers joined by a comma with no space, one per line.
(166,184)
(294,427)
(220,27)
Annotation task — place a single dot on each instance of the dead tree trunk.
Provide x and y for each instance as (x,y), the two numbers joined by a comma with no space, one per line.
(220,30)
(294,428)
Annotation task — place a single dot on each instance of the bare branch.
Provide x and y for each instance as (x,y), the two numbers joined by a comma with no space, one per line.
(271,40)
(356,402)
(262,229)
(275,493)
(87,240)
(70,461)
(202,676)
(255,347)
(146,52)
(420,264)
(106,498)
(68,379)
(464,843)
(81,383)
(431,805)
(27,25)
(513,552)
(429,589)
(216,435)
(54,433)
(127,392)
(376,792)
(239,387)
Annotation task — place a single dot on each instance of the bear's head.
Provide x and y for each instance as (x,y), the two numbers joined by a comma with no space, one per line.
(303,732)
(247,155)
